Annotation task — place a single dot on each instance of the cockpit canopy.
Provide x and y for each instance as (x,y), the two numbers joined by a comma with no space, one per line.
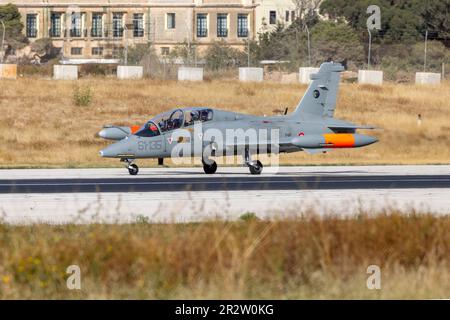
(173,120)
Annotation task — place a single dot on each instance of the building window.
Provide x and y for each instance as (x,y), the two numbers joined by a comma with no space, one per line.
(138,25)
(242,25)
(287,16)
(292,16)
(171,21)
(165,51)
(75,24)
(97,25)
(31,25)
(117,25)
(76,51)
(273,17)
(97,51)
(117,52)
(222,25)
(55,25)
(202,25)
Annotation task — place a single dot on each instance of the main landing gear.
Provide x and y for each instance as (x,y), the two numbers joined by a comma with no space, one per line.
(133,169)
(209,166)
(256,167)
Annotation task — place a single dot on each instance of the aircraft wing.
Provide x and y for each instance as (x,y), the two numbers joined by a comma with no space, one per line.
(333,127)
(285,143)
(253,144)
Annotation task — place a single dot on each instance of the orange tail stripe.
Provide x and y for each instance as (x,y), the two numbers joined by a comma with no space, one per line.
(340,140)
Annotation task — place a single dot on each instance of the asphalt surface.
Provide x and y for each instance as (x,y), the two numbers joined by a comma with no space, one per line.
(223,183)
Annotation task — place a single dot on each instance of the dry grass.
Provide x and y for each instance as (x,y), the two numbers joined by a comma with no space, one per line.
(307,257)
(41,126)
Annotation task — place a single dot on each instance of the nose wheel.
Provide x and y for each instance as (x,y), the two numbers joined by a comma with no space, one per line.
(133,169)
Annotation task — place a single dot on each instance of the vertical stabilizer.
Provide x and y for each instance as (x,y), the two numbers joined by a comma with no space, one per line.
(321,95)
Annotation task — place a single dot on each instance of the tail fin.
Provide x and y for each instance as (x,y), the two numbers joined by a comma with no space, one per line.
(320,97)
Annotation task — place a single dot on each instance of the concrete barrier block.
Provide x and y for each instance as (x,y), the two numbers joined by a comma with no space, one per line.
(130,72)
(370,77)
(8,71)
(251,74)
(428,78)
(190,74)
(304,74)
(65,72)
(289,78)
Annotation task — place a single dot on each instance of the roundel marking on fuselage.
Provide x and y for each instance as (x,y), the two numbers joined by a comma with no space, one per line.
(316,94)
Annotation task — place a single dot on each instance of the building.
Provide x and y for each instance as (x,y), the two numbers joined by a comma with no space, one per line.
(269,13)
(100,29)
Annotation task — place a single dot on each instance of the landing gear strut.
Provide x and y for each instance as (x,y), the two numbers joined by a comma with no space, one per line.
(133,169)
(256,167)
(210,167)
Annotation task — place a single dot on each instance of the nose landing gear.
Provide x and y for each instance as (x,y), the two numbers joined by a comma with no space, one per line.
(133,169)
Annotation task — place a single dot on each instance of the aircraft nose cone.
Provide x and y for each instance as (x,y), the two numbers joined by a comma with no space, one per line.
(115,149)
(109,151)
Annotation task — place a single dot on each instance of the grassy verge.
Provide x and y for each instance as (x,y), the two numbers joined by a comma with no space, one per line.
(307,257)
(42,126)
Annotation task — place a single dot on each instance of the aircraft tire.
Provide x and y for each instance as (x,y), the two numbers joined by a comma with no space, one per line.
(210,169)
(256,169)
(133,169)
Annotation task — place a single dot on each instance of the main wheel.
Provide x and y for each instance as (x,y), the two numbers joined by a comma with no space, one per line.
(133,169)
(210,168)
(257,168)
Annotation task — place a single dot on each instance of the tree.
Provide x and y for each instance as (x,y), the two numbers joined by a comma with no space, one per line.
(338,42)
(10,15)
(219,55)
(410,58)
(306,12)
(186,51)
(44,49)
(400,19)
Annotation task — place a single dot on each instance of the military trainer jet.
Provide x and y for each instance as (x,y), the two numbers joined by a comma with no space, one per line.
(186,132)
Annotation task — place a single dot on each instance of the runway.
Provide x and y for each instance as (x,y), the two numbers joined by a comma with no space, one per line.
(187,194)
(223,183)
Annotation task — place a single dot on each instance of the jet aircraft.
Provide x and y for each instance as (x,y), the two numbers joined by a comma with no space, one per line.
(311,127)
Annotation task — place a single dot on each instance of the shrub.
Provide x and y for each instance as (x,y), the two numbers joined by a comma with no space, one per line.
(82,96)
(249,216)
